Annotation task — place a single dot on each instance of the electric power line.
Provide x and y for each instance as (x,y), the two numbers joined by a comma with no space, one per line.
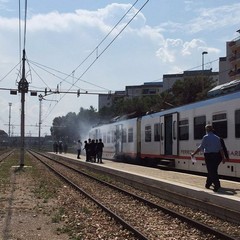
(107,46)
(41,66)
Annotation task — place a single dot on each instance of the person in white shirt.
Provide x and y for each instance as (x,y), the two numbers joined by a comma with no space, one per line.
(79,147)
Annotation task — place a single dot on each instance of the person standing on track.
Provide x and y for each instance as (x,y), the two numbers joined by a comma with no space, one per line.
(213,153)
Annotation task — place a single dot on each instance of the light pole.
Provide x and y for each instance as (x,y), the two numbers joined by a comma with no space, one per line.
(9,123)
(203,53)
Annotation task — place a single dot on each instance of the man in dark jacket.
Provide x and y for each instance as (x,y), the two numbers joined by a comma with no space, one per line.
(99,151)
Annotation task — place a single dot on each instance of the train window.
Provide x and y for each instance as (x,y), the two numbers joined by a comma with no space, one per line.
(237,123)
(112,136)
(124,136)
(108,137)
(157,132)
(104,137)
(130,135)
(199,127)
(219,122)
(148,133)
(98,136)
(183,130)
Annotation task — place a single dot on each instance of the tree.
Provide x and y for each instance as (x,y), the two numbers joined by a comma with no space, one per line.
(191,89)
(74,126)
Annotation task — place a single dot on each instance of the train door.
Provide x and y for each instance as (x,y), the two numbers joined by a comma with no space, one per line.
(118,139)
(169,134)
(138,133)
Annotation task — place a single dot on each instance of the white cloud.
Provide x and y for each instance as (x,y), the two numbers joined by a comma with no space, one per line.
(194,44)
(141,53)
(214,18)
(206,19)
(165,55)
(9,24)
(188,5)
(103,19)
(2,4)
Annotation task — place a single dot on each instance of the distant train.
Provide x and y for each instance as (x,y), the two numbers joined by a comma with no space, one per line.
(171,135)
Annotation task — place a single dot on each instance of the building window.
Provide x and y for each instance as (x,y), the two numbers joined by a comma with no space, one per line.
(183,130)
(148,134)
(237,123)
(130,135)
(157,132)
(219,122)
(199,127)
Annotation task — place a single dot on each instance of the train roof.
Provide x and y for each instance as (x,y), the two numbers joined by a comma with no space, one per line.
(202,103)
(225,88)
(199,104)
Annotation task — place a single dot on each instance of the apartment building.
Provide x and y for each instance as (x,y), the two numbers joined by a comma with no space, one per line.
(229,70)
(146,89)
(229,66)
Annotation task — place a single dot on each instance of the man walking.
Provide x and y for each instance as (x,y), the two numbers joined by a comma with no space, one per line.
(213,153)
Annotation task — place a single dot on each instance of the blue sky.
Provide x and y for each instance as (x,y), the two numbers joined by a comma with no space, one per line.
(165,37)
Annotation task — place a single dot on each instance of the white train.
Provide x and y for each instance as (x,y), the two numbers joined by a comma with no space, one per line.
(171,135)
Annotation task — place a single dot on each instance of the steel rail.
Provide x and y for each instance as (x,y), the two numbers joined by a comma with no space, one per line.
(117,218)
(200,226)
(5,155)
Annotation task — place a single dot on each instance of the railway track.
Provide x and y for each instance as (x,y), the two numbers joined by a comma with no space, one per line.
(4,155)
(148,221)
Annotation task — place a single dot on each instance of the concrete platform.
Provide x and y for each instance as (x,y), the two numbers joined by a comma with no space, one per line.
(178,187)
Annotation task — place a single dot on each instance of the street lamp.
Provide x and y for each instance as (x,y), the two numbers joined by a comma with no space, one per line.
(203,53)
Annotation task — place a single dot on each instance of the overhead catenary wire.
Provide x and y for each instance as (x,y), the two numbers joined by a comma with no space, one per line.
(10,71)
(96,48)
(99,43)
(93,52)
(41,66)
(102,41)
(99,55)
